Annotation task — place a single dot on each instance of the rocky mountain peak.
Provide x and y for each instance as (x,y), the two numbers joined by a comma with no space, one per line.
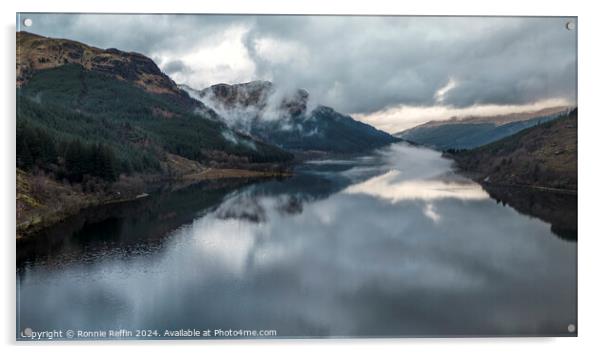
(258,94)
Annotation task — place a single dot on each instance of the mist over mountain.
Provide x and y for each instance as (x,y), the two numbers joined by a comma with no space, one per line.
(98,124)
(73,92)
(288,118)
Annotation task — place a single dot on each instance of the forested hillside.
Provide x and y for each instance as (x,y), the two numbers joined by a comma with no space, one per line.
(542,156)
(89,118)
(65,106)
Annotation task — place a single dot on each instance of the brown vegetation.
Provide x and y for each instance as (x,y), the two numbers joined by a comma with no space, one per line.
(544,156)
(36,53)
(43,201)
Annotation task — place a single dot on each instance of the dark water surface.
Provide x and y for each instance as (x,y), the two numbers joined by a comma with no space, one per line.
(390,244)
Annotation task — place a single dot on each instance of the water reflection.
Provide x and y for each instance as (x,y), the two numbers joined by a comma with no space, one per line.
(558,209)
(390,245)
(393,187)
(137,226)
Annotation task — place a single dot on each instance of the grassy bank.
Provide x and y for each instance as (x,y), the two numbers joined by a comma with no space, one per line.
(43,201)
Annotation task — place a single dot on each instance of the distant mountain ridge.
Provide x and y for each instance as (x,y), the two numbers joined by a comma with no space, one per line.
(284,118)
(499,119)
(471,132)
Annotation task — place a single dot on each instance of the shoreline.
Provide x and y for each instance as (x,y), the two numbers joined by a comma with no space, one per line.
(39,219)
(480,179)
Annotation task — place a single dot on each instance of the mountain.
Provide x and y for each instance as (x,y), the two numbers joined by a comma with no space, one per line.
(97,126)
(284,118)
(69,92)
(543,156)
(471,132)
(36,53)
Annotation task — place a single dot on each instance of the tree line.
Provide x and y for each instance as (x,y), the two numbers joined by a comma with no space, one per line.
(73,160)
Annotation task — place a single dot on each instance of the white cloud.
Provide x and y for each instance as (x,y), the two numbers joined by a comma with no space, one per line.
(405,70)
(281,51)
(392,187)
(440,94)
(225,60)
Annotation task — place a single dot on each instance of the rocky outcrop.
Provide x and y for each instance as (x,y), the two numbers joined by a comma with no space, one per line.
(257,94)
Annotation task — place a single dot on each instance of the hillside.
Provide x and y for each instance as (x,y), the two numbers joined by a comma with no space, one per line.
(126,104)
(285,120)
(99,125)
(471,132)
(35,53)
(543,156)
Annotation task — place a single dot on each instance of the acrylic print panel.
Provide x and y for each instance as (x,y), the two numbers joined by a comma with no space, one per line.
(215,176)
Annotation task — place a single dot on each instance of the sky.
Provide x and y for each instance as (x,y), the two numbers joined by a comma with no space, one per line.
(391,72)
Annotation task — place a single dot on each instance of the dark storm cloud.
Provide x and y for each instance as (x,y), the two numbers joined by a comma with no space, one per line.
(140,33)
(176,66)
(355,64)
(366,64)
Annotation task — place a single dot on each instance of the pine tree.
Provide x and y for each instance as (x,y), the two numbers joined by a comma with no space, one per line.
(24,158)
(106,163)
(75,161)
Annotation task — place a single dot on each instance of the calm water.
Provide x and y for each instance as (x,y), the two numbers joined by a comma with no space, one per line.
(391,244)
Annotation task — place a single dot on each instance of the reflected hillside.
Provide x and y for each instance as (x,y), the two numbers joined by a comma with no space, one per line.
(557,209)
(343,249)
(312,181)
(123,225)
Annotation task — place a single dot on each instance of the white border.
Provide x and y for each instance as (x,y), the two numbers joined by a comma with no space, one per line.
(590,149)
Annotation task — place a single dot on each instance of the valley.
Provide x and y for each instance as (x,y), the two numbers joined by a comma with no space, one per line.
(98,126)
(101,126)
(244,176)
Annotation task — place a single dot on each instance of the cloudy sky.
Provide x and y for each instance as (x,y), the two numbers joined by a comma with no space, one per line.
(392,72)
